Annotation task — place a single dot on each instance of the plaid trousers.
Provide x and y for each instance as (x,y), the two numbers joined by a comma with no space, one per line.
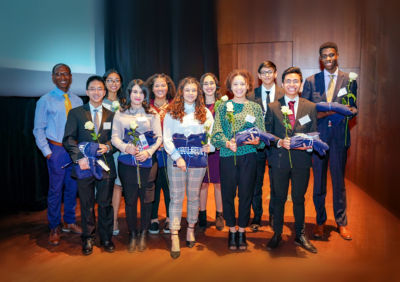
(178,181)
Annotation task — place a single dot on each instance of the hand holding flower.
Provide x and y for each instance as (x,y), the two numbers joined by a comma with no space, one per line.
(102,149)
(206,148)
(231,144)
(142,156)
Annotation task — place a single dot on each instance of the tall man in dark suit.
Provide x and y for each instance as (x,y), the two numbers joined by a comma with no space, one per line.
(267,93)
(290,164)
(330,85)
(75,132)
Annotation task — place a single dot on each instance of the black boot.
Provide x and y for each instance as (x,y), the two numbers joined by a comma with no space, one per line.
(132,242)
(203,220)
(242,244)
(274,242)
(232,241)
(142,241)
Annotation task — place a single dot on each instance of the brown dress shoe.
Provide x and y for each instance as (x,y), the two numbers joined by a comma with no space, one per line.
(54,237)
(344,232)
(72,227)
(318,231)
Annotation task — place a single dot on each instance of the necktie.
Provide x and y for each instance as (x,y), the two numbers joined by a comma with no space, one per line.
(268,99)
(96,121)
(292,117)
(67,103)
(331,88)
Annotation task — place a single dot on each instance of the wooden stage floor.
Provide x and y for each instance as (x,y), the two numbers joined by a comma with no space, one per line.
(372,255)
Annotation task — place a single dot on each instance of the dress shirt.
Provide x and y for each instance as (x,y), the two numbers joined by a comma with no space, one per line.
(327,78)
(264,96)
(99,113)
(188,126)
(50,118)
(296,104)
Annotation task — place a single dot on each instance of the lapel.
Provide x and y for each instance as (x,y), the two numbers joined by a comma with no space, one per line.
(281,116)
(338,85)
(258,97)
(103,118)
(300,112)
(320,85)
(279,93)
(88,115)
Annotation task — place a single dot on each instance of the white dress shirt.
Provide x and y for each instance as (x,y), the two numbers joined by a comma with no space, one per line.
(264,95)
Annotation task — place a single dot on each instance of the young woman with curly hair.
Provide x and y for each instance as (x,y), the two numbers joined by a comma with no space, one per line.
(184,128)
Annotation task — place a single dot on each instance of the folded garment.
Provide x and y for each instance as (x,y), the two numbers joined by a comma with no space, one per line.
(130,160)
(89,150)
(191,149)
(311,139)
(244,135)
(335,107)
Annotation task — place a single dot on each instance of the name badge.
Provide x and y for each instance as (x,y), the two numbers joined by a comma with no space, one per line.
(250,118)
(107,125)
(342,91)
(304,120)
(143,142)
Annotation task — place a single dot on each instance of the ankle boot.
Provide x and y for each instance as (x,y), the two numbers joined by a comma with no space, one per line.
(132,242)
(219,221)
(242,244)
(232,241)
(203,219)
(142,241)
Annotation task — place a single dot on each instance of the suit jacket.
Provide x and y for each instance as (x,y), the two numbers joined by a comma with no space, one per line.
(75,133)
(314,91)
(279,157)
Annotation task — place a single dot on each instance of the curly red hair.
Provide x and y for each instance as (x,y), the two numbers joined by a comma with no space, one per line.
(177,106)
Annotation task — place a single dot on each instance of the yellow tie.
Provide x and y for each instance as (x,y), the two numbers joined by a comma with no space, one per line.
(67,103)
(331,88)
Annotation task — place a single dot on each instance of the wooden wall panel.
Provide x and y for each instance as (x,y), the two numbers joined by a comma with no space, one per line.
(227,62)
(251,55)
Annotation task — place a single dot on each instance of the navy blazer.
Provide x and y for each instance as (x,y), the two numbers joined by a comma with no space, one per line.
(314,91)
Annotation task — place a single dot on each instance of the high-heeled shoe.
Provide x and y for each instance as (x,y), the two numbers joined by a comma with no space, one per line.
(175,248)
(190,243)
(232,241)
(132,242)
(241,242)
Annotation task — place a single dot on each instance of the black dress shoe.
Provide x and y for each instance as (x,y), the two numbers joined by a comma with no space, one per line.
(132,242)
(232,241)
(108,246)
(142,241)
(241,243)
(255,224)
(87,247)
(303,242)
(274,242)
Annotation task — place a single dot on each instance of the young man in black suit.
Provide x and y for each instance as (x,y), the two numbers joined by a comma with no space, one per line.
(290,164)
(76,132)
(268,92)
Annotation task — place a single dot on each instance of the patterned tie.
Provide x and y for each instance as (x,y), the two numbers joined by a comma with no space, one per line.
(331,88)
(292,117)
(67,103)
(96,121)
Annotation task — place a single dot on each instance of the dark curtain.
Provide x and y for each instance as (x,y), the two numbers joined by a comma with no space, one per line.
(176,37)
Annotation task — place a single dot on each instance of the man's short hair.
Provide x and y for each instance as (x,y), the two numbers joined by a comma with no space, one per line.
(292,70)
(94,78)
(267,64)
(328,45)
(53,71)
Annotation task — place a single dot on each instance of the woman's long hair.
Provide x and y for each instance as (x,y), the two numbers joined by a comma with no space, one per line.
(127,97)
(119,92)
(217,93)
(177,107)
(171,86)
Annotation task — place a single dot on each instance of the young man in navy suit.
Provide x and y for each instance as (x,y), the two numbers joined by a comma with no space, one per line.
(288,164)
(268,92)
(75,133)
(330,85)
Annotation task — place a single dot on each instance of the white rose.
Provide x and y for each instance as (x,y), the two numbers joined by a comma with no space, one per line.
(286,110)
(224,98)
(207,124)
(115,105)
(89,125)
(133,125)
(229,107)
(353,76)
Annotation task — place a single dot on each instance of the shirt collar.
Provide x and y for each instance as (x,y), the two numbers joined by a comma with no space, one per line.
(99,108)
(287,99)
(58,91)
(328,74)
(263,89)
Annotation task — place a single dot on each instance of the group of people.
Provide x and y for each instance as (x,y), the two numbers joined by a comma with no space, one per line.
(154,137)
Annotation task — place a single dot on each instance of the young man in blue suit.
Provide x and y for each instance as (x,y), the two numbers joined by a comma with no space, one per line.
(268,92)
(330,85)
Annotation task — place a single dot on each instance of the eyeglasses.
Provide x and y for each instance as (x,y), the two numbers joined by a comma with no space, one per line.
(116,81)
(211,83)
(265,73)
(96,89)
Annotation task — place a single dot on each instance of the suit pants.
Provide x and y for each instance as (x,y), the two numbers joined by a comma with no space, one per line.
(131,190)
(103,196)
(60,178)
(337,157)
(299,178)
(241,177)
(189,180)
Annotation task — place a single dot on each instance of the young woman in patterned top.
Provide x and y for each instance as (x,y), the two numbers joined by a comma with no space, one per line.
(237,164)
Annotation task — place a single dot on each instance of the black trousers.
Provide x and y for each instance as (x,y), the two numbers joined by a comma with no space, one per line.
(87,195)
(131,190)
(299,178)
(161,183)
(240,177)
(256,202)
